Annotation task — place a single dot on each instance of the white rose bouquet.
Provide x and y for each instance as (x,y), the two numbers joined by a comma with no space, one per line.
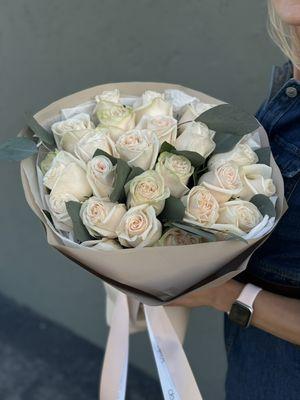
(137,157)
(156,189)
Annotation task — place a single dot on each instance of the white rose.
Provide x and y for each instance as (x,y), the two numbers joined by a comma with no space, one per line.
(202,207)
(102,244)
(98,138)
(100,175)
(164,126)
(78,123)
(147,188)
(116,117)
(191,111)
(139,227)
(177,237)
(112,96)
(240,216)
(58,210)
(73,181)
(57,166)
(256,179)
(153,104)
(176,171)
(196,137)
(70,140)
(139,148)
(101,217)
(224,181)
(241,154)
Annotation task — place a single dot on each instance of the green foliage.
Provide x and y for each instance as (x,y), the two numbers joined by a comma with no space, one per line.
(46,137)
(195,158)
(264,204)
(264,155)
(173,211)
(124,174)
(230,124)
(81,234)
(17,149)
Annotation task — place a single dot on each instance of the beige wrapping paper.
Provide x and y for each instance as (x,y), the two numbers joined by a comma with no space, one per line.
(165,273)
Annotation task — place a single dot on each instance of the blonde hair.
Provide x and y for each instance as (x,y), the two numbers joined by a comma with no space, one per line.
(284,35)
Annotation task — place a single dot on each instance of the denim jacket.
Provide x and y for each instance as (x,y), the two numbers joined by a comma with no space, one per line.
(277,261)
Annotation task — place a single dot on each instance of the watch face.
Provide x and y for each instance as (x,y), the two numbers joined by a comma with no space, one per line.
(240,314)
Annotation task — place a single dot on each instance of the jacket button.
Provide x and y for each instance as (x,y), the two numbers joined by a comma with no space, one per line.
(291,91)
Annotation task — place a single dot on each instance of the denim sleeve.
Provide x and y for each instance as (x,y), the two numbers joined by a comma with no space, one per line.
(277,261)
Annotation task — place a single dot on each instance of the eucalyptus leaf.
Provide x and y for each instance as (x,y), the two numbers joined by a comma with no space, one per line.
(195,158)
(225,141)
(100,152)
(134,171)
(264,204)
(195,230)
(226,118)
(16,149)
(173,210)
(81,234)
(122,172)
(196,175)
(264,155)
(166,146)
(45,136)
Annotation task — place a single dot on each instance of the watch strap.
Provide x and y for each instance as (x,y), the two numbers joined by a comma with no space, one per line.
(248,294)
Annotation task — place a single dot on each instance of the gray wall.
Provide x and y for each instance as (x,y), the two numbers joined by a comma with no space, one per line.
(49,49)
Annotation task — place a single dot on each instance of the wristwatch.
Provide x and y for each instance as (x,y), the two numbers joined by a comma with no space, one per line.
(242,309)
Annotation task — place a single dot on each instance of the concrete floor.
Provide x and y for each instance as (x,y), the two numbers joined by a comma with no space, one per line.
(40,360)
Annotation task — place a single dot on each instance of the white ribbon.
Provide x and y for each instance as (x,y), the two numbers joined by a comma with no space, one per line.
(115,364)
(175,374)
(176,377)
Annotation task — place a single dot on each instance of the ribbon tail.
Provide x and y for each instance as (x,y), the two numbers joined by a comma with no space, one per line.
(175,374)
(115,364)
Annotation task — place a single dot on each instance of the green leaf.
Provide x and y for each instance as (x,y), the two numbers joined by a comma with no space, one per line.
(100,152)
(230,124)
(166,147)
(122,172)
(135,171)
(173,210)
(226,118)
(197,173)
(195,230)
(264,155)
(264,204)
(45,136)
(225,141)
(17,149)
(195,158)
(81,234)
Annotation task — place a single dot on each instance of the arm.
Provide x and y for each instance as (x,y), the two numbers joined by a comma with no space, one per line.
(275,314)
